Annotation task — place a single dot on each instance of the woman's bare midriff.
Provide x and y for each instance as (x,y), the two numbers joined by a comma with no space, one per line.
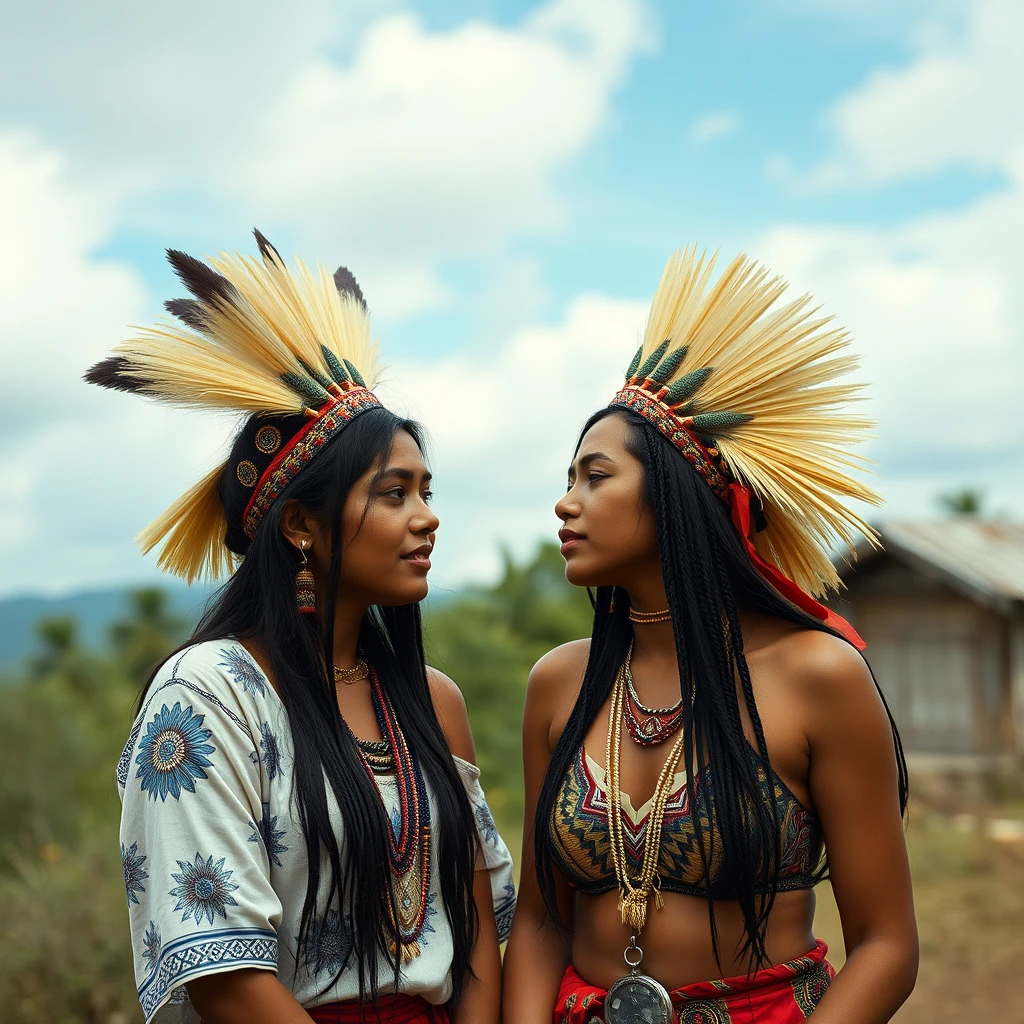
(676,939)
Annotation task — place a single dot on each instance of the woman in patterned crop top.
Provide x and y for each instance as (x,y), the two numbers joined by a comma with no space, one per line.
(699,506)
(303,832)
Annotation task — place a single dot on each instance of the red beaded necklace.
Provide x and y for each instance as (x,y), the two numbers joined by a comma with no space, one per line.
(649,726)
(409,850)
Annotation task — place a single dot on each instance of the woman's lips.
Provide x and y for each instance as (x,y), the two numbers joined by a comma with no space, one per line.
(420,559)
(570,539)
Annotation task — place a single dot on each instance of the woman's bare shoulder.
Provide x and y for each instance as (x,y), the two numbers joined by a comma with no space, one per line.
(559,666)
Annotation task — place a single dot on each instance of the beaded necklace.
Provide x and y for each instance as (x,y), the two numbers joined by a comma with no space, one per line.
(409,849)
(657,725)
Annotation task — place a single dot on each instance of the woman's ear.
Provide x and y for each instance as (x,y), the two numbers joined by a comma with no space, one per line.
(298,527)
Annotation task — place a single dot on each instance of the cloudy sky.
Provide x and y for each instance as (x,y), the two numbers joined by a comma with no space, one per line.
(506,180)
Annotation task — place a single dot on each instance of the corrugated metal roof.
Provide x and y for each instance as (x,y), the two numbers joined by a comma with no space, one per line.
(985,554)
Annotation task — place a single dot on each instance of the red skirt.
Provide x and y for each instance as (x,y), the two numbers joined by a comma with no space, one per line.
(784,994)
(400,1009)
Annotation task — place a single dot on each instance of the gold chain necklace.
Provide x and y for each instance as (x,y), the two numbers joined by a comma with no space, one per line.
(348,676)
(635,894)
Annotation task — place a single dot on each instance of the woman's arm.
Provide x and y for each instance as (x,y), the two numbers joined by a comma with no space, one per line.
(853,782)
(481,998)
(247,996)
(537,953)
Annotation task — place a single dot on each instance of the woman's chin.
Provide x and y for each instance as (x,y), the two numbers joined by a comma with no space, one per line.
(412,593)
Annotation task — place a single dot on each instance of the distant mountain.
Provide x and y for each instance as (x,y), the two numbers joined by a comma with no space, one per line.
(94,611)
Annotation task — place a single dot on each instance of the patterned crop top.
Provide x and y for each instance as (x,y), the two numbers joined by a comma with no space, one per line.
(578,836)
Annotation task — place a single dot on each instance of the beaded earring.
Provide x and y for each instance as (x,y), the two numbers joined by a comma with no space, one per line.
(305,594)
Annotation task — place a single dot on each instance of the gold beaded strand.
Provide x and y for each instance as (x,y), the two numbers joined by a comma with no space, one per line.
(634,897)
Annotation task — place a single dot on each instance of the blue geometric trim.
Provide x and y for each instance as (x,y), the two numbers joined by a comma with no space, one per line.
(504,909)
(200,953)
(124,763)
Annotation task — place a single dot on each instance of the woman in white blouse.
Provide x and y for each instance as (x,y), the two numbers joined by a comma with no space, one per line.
(303,832)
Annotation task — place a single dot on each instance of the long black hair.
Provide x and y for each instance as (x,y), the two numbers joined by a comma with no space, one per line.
(258,602)
(708,577)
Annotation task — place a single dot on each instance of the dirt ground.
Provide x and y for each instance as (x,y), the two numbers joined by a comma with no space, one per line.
(969,894)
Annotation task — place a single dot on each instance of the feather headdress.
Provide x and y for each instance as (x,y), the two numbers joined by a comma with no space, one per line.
(290,347)
(746,388)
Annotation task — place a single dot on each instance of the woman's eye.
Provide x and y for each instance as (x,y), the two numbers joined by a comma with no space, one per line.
(396,492)
(428,496)
(594,477)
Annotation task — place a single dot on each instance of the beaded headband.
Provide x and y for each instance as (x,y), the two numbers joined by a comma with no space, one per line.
(746,391)
(290,348)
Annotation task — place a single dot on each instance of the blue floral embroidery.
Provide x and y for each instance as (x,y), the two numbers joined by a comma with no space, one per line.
(485,823)
(396,822)
(268,833)
(151,944)
(134,873)
(241,666)
(328,944)
(271,756)
(173,752)
(203,889)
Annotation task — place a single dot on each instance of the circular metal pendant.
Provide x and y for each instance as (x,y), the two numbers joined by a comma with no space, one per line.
(637,999)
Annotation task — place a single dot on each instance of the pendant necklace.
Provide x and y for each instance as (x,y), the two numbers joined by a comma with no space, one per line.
(637,996)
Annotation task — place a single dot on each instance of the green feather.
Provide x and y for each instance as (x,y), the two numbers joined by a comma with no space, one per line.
(635,363)
(652,360)
(356,375)
(323,381)
(338,372)
(669,365)
(307,388)
(683,388)
(712,422)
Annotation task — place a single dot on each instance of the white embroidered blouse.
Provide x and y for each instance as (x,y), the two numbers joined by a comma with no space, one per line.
(214,860)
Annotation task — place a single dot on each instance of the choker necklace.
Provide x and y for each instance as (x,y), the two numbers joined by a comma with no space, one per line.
(650,617)
(348,676)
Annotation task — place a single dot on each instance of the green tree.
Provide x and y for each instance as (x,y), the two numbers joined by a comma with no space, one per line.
(488,641)
(149,630)
(967,501)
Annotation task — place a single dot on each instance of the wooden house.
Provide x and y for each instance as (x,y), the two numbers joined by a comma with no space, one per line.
(941,607)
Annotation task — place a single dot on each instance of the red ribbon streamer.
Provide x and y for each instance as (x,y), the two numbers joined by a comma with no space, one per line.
(739,503)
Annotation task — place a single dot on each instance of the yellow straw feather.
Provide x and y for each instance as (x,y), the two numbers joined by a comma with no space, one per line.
(193,533)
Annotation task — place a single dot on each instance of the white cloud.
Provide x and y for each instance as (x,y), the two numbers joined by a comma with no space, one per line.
(956,104)
(503,425)
(934,302)
(430,145)
(717,125)
(81,471)
(326,123)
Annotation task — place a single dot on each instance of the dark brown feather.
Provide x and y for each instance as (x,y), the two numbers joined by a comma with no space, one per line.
(345,282)
(188,311)
(203,282)
(267,251)
(112,373)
